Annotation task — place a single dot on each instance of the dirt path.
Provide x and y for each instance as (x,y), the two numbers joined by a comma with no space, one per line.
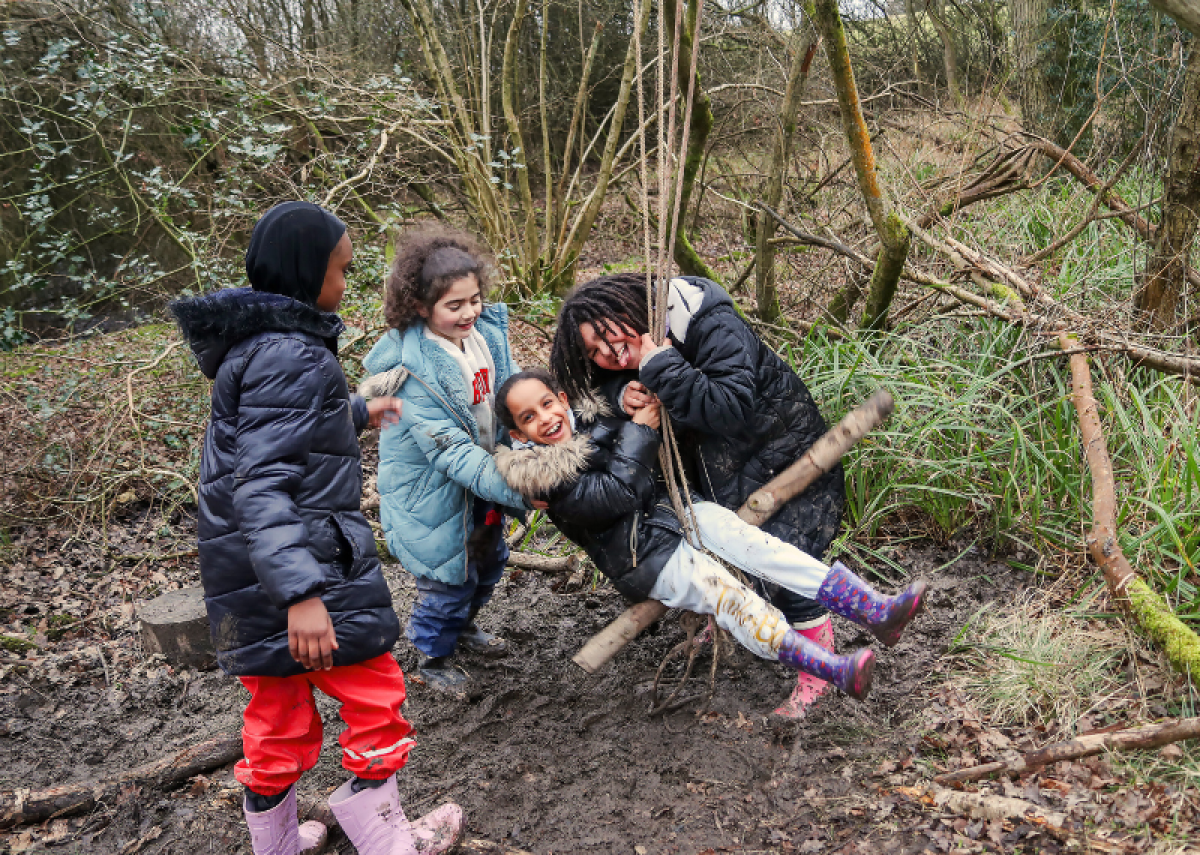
(541,757)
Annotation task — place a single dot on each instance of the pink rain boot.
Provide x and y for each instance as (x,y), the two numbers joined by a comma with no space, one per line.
(376,825)
(438,831)
(373,819)
(277,831)
(808,687)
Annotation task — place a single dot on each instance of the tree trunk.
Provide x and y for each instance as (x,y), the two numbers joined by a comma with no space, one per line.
(1029,25)
(937,14)
(1165,280)
(764,263)
(685,255)
(509,91)
(893,234)
(914,42)
(1186,12)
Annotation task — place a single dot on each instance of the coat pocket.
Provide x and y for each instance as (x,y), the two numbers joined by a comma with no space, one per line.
(355,535)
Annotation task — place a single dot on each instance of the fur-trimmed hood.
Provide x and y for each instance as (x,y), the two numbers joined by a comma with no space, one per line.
(214,323)
(536,470)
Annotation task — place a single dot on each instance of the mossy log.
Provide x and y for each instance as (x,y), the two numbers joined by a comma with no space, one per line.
(1145,606)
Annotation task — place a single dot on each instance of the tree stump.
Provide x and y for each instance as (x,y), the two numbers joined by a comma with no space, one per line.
(176,625)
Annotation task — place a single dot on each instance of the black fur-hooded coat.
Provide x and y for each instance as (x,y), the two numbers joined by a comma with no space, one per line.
(281,483)
(604,493)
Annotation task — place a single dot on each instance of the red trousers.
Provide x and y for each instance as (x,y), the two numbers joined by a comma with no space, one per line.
(281,735)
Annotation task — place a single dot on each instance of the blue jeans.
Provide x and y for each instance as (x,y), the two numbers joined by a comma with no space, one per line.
(441,611)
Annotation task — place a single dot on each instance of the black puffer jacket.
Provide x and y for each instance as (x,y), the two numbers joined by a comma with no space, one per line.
(281,483)
(604,494)
(745,416)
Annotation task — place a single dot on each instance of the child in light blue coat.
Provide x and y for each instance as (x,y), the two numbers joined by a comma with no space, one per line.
(442,502)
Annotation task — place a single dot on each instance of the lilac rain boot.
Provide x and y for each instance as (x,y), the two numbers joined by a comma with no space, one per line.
(373,819)
(277,831)
(850,673)
(845,594)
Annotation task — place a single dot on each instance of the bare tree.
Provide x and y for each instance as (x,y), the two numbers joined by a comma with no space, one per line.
(1166,277)
(1029,25)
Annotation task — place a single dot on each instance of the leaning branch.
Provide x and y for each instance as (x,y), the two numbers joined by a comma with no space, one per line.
(1146,607)
(760,507)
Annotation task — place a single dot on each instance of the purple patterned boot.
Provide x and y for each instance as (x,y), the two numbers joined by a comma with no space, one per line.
(845,594)
(850,673)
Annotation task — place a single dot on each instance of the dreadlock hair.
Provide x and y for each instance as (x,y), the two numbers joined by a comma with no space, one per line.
(503,413)
(428,261)
(607,302)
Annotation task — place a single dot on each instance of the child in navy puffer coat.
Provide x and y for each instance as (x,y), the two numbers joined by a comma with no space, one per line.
(295,594)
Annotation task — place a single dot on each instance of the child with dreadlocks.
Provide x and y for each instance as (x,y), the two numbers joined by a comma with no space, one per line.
(741,412)
(441,499)
(600,481)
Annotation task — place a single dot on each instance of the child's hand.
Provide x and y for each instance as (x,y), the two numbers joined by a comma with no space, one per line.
(649,348)
(649,415)
(384,412)
(311,639)
(636,396)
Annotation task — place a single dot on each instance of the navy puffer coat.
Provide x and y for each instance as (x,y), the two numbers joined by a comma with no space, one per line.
(281,483)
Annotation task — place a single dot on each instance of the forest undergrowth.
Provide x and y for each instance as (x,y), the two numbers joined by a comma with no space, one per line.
(100,438)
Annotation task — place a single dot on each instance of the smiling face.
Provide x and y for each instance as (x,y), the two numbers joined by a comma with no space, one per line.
(453,316)
(612,348)
(541,416)
(334,286)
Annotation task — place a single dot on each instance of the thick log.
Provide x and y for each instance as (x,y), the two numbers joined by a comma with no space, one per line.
(760,507)
(176,625)
(605,644)
(544,563)
(1150,736)
(823,455)
(23,806)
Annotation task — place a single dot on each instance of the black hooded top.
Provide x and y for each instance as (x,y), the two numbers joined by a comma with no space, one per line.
(281,474)
(290,249)
(745,416)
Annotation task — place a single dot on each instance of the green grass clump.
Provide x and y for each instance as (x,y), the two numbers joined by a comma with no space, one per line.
(1042,666)
(985,441)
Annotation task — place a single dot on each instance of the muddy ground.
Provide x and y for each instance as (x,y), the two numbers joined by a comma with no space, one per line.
(541,757)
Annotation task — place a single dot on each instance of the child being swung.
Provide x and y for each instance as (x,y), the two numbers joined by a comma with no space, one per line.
(292,582)
(598,476)
(441,499)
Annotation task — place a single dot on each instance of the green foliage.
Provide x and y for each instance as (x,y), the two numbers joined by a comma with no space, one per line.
(128,172)
(984,443)
(1121,53)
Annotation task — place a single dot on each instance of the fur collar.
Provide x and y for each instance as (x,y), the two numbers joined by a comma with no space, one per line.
(536,470)
(214,323)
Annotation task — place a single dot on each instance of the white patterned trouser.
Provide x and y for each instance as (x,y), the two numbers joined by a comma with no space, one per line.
(692,580)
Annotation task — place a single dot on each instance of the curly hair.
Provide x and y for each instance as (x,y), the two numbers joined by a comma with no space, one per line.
(407,290)
(618,300)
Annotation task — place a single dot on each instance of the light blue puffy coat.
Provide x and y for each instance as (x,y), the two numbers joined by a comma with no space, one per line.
(430,465)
